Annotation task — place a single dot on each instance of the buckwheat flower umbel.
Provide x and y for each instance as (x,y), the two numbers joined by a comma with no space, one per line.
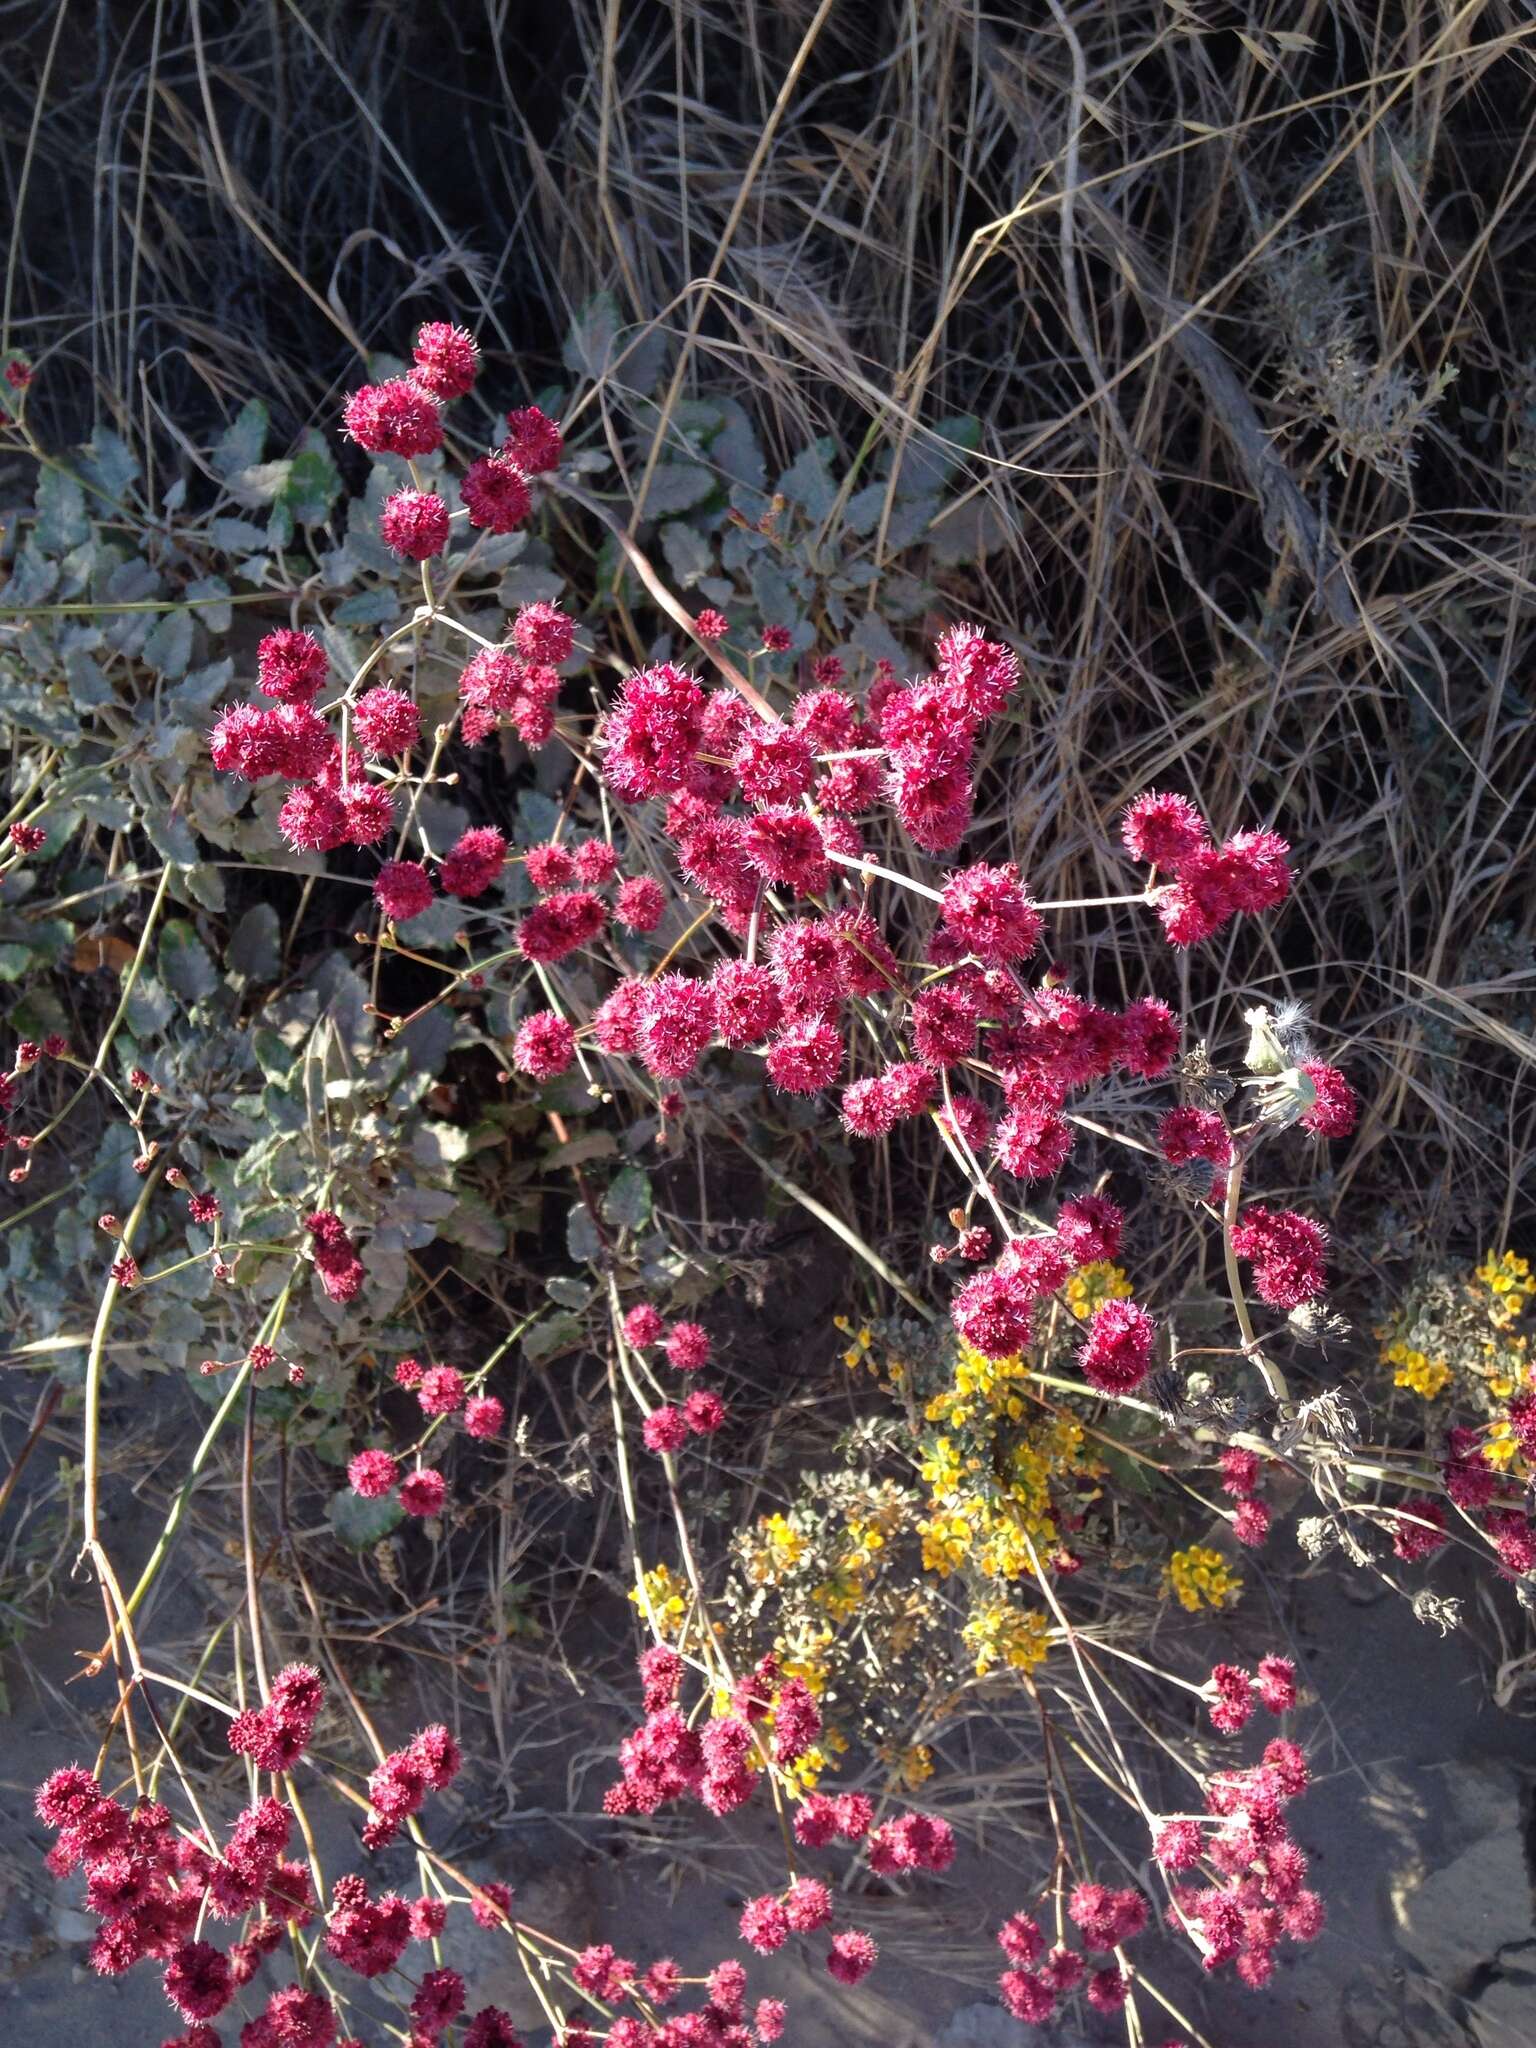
(1256,869)
(542,633)
(368,811)
(1032,1144)
(372,1474)
(1288,1253)
(312,820)
(1335,1109)
(495,493)
(677,1022)
(784,845)
(982,672)
(1161,829)
(534,440)
(1178,1844)
(688,1347)
(423,1492)
(1027,1998)
(473,862)
(1021,1940)
(414,525)
(441,1391)
(639,904)
(852,1956)
(1090,1227)
(550,867)
(484,1416)
(27,838)
(290,666)
(544,1046)
(805,1058)
(1231,1698)
(711,626)
(616,1024)
(993,1312)
(1107,1990)
(562,923)
(652,732)
(1118,1353)
(336,1260)
(1276,1683)
(1251,1523)
(386,723)
(768,2019)
(807,1905)
(198,1981)
(748,1008)
(773,763)
(665,1429)
(868,1109)
(1149,1038)
(764,1925)
(403,889)
(704,1412)
(446,359)
(394,418)
(987,910)
(1190,1133)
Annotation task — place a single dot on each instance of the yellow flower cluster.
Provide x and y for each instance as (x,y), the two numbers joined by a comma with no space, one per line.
(1018,1637)
(1097,1282)
(1199,1578)
(1426,1376)
(1508,1279)
(663,1596)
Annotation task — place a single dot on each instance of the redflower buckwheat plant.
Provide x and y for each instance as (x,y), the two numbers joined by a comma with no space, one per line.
(607,908)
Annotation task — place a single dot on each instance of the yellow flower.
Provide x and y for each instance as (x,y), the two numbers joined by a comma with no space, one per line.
(1426,1376)
(1099,1281)
(664,1598)
(946,1540)
(1000,1634)
(1198,1577)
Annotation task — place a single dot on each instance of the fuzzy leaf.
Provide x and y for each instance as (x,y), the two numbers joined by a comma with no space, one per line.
(362,1523)
(186,965)
(581,1238)
(242,443)
(589,345)
(627,1204)
(253,953)
(61,521)
(169,646)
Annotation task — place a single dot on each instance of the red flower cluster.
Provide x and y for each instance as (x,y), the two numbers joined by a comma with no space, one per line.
(1249,873)
(336,1260)
(1288,1254)
(429,1762)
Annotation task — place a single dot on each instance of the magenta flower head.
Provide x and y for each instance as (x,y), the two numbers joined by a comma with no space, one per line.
(1163,830)
(394,418)
(993,1313)
(484,1416)
(542,633)
(852,1956)
(496,495)
(372,1474)
(423,1492)
(473,862)
(545,1045)
(988,912)
(290,666)
(534,440)
(1118,1353)
(414,524)
(402,889)
(386,723)
(446,359)
(639,904)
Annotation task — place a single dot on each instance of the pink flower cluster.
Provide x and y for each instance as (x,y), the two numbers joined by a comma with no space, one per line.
(1260,1897)
(700,1413)
(429,1762)
(1288,1254)
(336,1260)
(1250,873)
(1037,1978)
